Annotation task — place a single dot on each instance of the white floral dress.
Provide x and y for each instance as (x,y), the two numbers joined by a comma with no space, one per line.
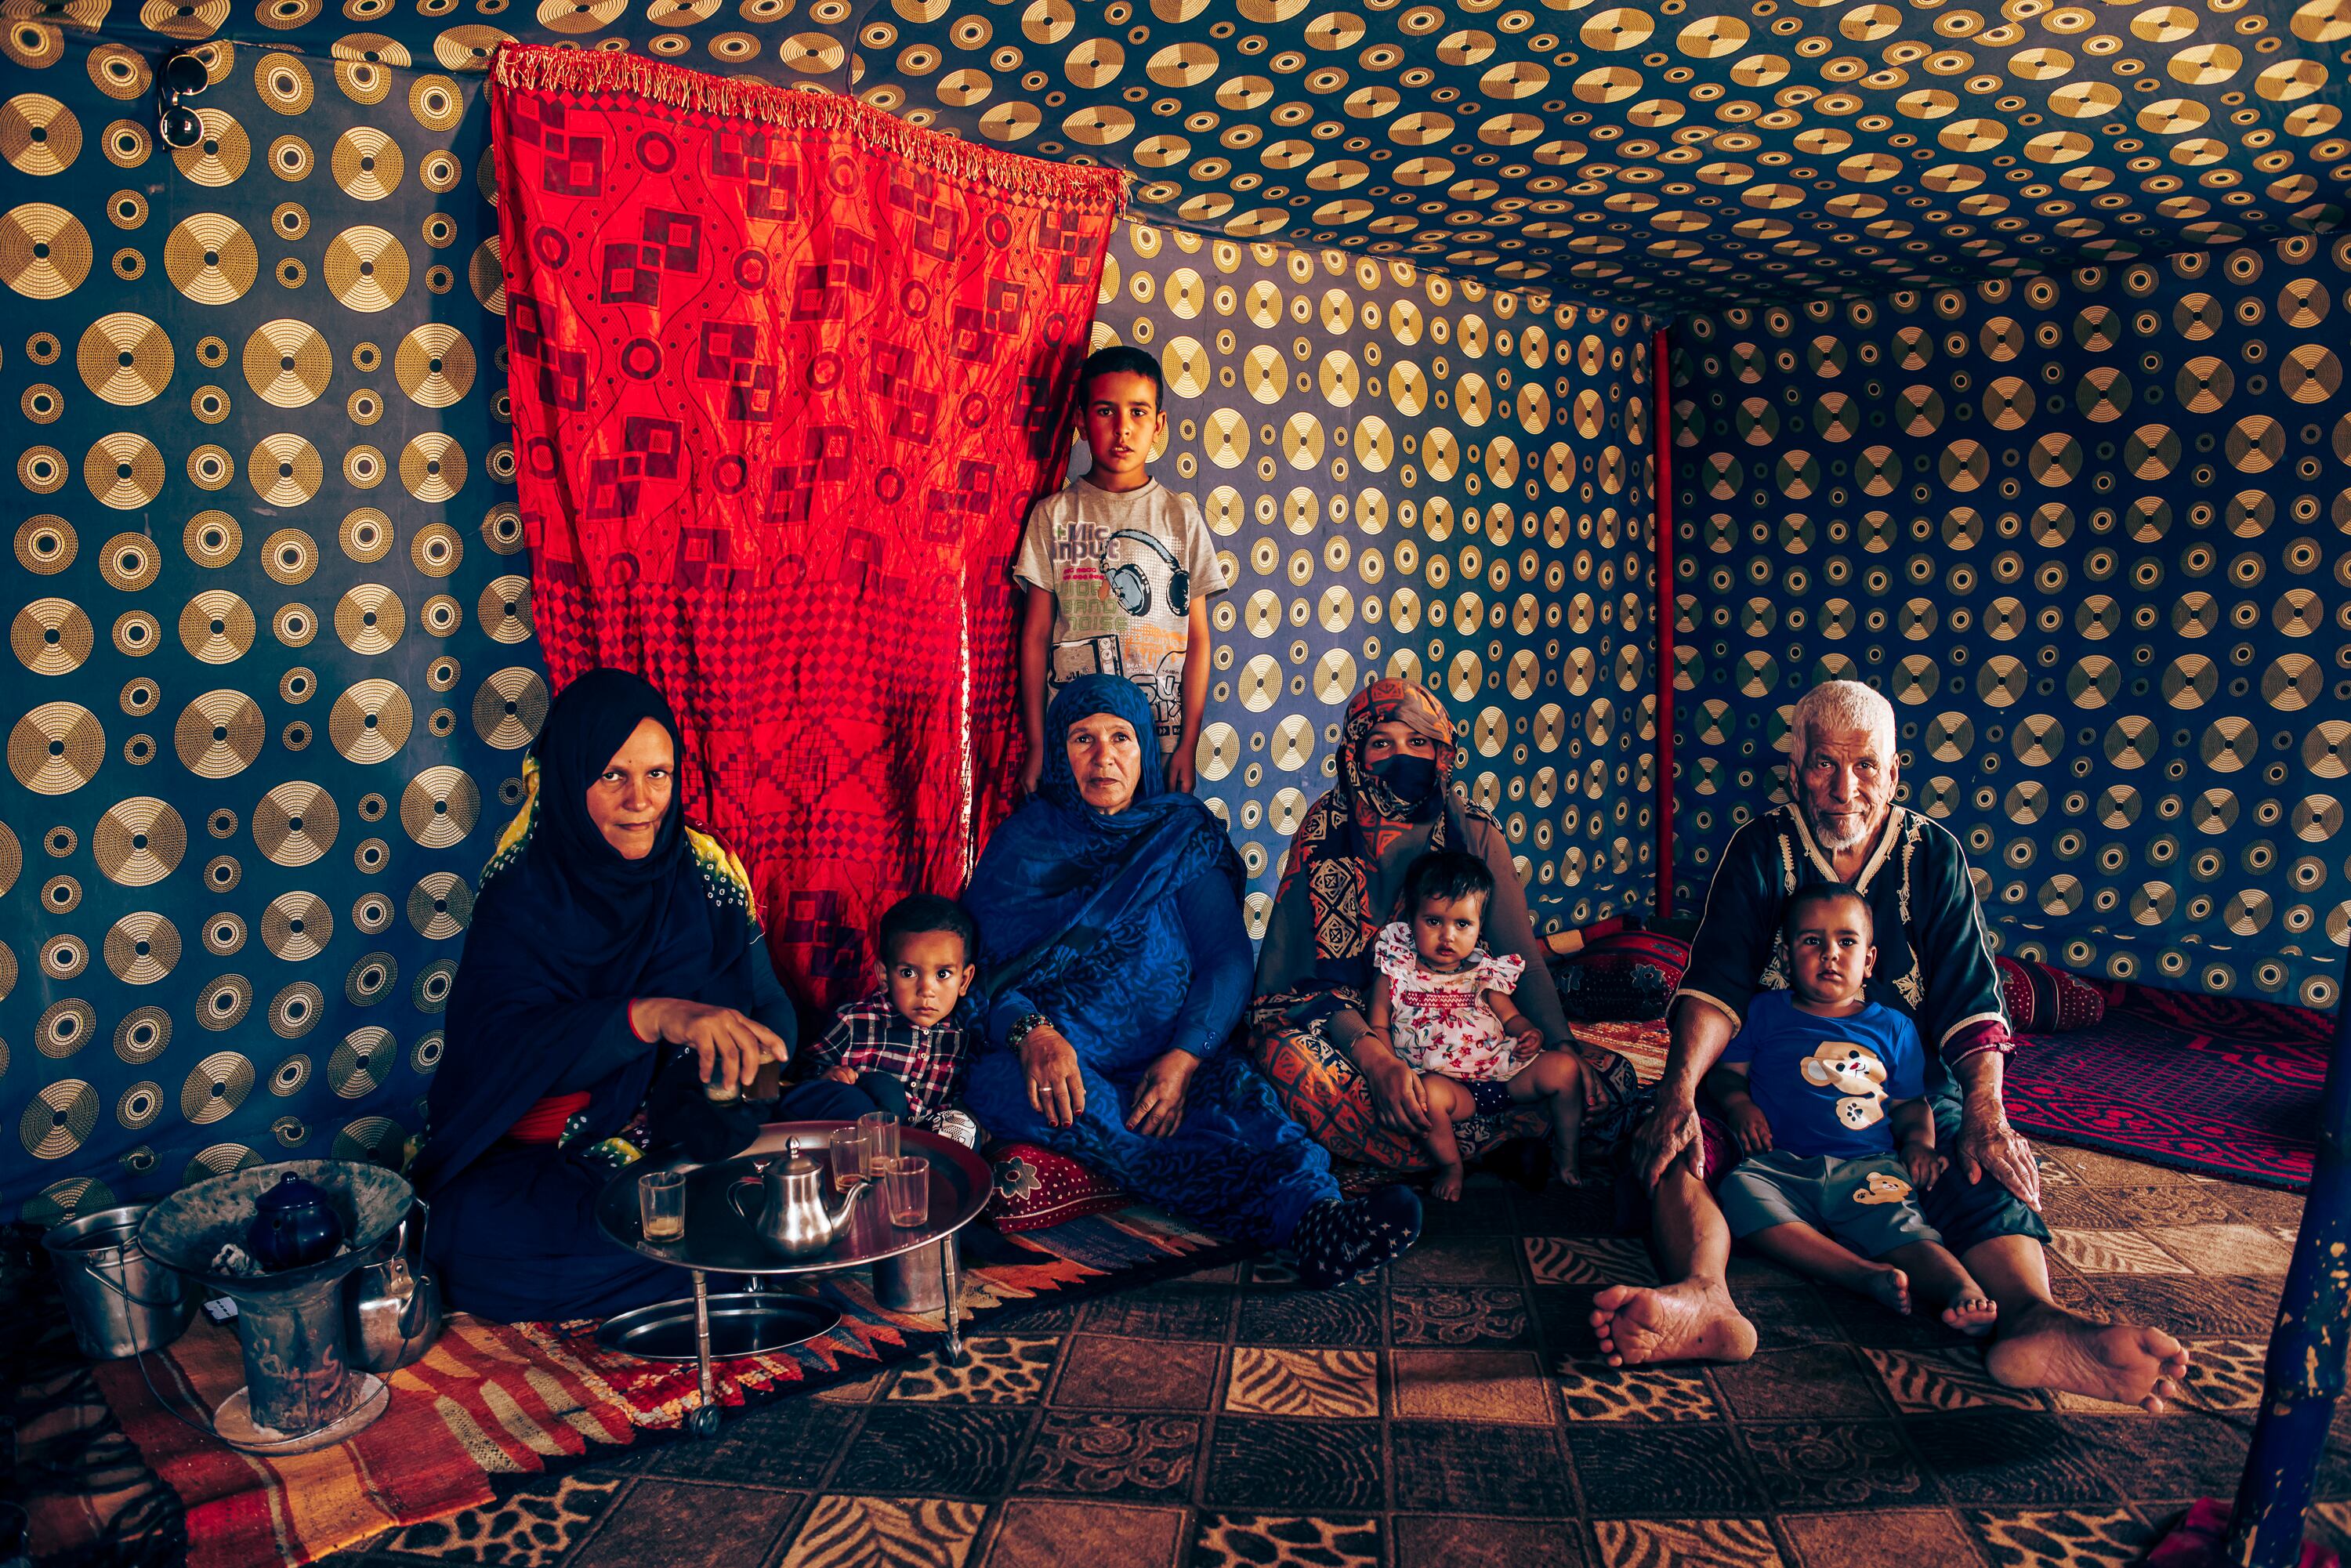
(1441,1022)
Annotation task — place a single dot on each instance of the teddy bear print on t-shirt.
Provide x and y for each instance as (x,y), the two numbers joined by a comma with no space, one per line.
(1858,1075)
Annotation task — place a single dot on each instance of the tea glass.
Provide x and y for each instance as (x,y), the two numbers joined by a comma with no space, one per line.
(661,1206)
(878,1133)
(906,1183)
(848,1158)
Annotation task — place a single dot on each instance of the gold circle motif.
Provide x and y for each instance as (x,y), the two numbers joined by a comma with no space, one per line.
(509,707)
(294,627)
(139,1106)
(212,539)
(367,536)
(142,949)
(437,101)
(57,749)
(123,471)
(139,842)
(219,157)
(44,252)
(370,722)
(63,957)
(210,258)
(142,1035)
(360,1062)
(38,135)
(366,268)
(119,71)
(52,636)
(59,1117)
(371,1139)
(370,619)
(504,609)
(126,359)
(440,905)
(297,926)
(46,545)
(220,733)
(283,82)
(64,1028)
(285,470)
(432,467)
(366,164)
(215,1087)
(440,807)
(216,627)
(295,824)
(294,1012)
(434,365)
(487,276)
(436,549)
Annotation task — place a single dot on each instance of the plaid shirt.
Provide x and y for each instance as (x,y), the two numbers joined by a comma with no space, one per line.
(870,1037)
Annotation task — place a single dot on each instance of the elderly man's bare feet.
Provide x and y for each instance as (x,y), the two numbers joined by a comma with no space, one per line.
(1639,1324)
(2124,1363)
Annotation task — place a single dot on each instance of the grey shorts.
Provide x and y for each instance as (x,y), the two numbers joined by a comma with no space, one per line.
(1864,1203)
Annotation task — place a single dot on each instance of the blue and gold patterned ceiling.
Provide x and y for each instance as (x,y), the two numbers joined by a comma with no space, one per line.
(1665,155)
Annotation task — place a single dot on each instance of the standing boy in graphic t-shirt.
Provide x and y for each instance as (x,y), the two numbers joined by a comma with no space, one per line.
(1119,571)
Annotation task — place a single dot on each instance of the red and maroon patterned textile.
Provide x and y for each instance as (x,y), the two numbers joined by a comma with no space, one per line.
(787,374)
(1036,1187)
(2218,1085)
(2042,999)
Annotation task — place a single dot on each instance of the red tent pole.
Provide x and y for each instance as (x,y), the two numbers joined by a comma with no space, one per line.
(1661,506)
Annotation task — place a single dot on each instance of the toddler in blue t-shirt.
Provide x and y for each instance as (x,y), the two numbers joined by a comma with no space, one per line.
(1824,1093)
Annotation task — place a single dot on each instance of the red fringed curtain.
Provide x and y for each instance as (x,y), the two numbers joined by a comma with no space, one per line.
(787,374)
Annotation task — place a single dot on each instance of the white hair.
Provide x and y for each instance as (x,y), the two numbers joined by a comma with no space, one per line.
(1840,705)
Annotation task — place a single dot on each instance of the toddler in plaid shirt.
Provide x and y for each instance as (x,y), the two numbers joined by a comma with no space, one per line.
(906,1045)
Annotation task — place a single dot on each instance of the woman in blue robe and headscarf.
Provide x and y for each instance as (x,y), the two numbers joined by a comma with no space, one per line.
(614,966)
(1116,966)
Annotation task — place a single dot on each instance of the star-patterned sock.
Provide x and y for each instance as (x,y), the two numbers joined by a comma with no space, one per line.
(1339,1239)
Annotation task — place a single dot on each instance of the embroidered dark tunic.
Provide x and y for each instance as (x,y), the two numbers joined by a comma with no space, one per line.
(1934,962)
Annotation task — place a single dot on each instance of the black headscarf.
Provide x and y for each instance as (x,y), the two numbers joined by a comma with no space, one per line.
(567,930)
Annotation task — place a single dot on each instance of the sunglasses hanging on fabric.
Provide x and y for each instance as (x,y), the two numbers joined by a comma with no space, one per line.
(181,77)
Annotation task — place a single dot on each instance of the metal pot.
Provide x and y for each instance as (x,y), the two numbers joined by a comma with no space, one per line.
(392,1307)
(119,1300)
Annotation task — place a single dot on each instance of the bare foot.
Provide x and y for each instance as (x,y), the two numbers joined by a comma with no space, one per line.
(1891,1290)
(2124,1363)
(1569,1171)
(1447,1185)
(1639,1324)
(1973,1314)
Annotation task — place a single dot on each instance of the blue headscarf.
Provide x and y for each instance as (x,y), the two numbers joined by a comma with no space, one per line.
(1060,876)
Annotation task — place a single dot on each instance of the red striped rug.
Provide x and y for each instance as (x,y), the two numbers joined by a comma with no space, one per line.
(110,1476)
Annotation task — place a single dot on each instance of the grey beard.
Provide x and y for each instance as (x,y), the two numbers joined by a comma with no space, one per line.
(1836,842)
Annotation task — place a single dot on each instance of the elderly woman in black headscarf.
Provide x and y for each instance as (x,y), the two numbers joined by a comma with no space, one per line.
(616,995)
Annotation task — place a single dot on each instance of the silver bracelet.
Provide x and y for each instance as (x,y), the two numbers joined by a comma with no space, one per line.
(1028,1024)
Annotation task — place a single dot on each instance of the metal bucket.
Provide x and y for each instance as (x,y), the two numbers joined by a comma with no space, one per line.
(121,1300)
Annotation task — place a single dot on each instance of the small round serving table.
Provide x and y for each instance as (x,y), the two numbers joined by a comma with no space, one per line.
(718,1240)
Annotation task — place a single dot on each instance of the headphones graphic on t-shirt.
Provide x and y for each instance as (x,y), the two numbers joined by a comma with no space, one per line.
(1132,590)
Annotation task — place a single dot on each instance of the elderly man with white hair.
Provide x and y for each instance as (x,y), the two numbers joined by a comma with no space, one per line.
(1840,825)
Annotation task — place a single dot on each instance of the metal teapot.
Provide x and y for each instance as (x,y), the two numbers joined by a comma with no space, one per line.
(793,1218)
(293,1226)
(392,1307)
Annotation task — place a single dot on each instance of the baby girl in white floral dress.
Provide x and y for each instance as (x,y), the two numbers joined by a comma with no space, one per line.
(1443,1003)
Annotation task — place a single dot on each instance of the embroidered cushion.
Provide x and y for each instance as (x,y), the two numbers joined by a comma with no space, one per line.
(1624,976)
(2041,999)
(1036,1187)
